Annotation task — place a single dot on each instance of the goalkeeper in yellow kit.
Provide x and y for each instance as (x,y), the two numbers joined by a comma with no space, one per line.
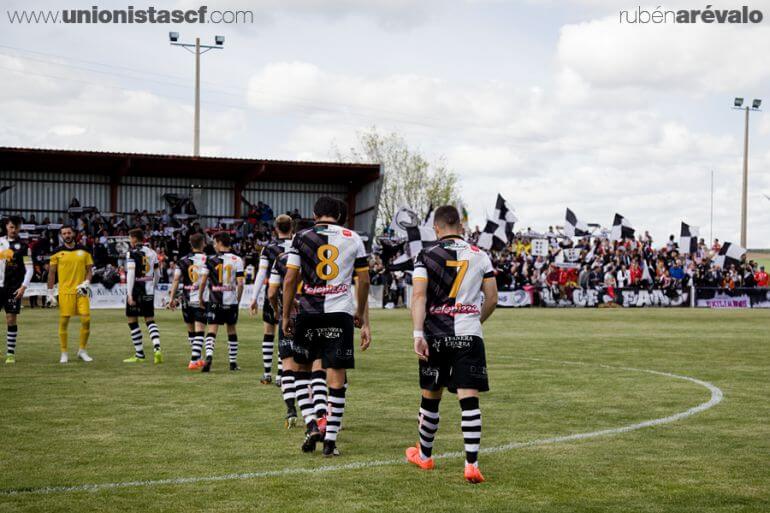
(74,265)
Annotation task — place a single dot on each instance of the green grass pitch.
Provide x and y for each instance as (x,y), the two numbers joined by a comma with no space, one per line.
(108,422)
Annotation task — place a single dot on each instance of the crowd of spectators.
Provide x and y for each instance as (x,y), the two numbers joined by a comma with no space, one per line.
(106,236)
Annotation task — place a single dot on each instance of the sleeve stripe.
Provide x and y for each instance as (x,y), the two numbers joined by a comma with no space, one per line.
(419,278)
(362,269)
(292,266)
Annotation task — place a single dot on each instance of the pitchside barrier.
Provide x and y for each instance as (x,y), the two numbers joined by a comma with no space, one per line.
(700,297)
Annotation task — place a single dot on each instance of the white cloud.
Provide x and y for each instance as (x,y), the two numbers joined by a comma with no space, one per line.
(695,59)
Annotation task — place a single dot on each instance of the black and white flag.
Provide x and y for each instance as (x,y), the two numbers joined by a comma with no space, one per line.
(621,228)
(688,239)
(498,232)
(418,235)
(574,227)
(730,254)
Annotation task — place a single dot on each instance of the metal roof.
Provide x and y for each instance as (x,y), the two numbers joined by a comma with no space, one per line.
(240,170)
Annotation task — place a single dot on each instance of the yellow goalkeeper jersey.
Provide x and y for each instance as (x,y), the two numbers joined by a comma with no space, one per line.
(72,266)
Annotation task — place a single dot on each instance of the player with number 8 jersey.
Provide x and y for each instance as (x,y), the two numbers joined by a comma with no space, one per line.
(326,258)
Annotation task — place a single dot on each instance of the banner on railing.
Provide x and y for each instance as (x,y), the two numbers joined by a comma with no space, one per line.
(735,298)
(627,298)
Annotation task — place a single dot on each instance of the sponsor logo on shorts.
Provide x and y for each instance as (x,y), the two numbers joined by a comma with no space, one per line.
(329,333)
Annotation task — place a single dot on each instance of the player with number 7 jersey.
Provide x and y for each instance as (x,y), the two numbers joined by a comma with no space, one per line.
(326,258)
(454,292)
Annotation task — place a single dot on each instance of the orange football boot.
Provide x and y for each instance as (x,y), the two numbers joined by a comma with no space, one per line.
(413,456)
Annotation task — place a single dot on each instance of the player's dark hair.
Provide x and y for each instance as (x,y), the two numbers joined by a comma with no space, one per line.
(223,238)
(284,224)
(197,241)
(14,220)
(327,206)
(67,227)
(343,218)
(447,216)
(136,233)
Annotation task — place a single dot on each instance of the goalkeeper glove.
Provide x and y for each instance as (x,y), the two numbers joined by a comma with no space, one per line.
(84,289)
(52,302)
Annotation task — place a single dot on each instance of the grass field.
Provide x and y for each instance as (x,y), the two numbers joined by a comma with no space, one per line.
(108,422)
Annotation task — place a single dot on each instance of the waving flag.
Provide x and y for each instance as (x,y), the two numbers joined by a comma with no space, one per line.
(574,227)
(621,228)
(688,239)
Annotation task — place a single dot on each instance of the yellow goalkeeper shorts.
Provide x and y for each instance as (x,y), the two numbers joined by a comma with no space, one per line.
(71,305)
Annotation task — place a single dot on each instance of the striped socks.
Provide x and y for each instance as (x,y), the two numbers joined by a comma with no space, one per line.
(318,385)
(136,338)
(210,339)
(267,353)
(152,328)
(10,340)
(197,346)
(471,426)
(190,338)
(334,414)
(287,388)
(429,418)
(302,393)
(232,345)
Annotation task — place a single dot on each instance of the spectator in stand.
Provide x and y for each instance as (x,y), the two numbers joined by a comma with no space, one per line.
(761,277)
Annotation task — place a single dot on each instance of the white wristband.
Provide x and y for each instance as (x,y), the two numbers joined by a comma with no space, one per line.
(418,334)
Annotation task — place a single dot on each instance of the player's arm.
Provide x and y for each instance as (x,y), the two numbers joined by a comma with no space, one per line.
(239,283)
(273,286)
(174,288)
(262,273)
(28,272)
(489,288)
(290,291)
(204,276)
(419,301)
(130,279)
(53,266)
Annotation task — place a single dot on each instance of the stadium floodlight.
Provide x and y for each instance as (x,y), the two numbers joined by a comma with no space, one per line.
(757,104)
(197,49)
(739,103)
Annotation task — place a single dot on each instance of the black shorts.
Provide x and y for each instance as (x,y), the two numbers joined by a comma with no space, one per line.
(192,314)
(144,306)
(455,362)
(268,315)
(222,314)
(8,302)
(286,346)
(325,336)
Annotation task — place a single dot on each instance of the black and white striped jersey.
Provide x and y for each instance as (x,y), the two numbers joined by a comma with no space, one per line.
(192,268)
(14,260)
(455,271)
(144,262)
(277,275)
(224,271)
(266,261)
(327,256)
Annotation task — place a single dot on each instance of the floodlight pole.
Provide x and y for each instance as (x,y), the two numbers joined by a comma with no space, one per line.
(745,189)
(197,129)
(198,50)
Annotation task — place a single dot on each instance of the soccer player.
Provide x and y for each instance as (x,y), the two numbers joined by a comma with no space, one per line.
(447,313)
(283,227)
(141,278)
(225,285)
(191,269)
(326,257)
(15,275)
(74,266)
(286,346)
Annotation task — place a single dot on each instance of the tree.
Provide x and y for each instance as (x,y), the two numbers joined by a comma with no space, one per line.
(409,179)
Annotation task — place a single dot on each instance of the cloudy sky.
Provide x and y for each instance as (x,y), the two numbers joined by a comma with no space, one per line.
(551,103)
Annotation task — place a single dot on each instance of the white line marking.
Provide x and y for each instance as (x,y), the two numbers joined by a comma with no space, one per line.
(716,398)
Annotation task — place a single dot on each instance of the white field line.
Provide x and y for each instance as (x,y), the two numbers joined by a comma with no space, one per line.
(716,398)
